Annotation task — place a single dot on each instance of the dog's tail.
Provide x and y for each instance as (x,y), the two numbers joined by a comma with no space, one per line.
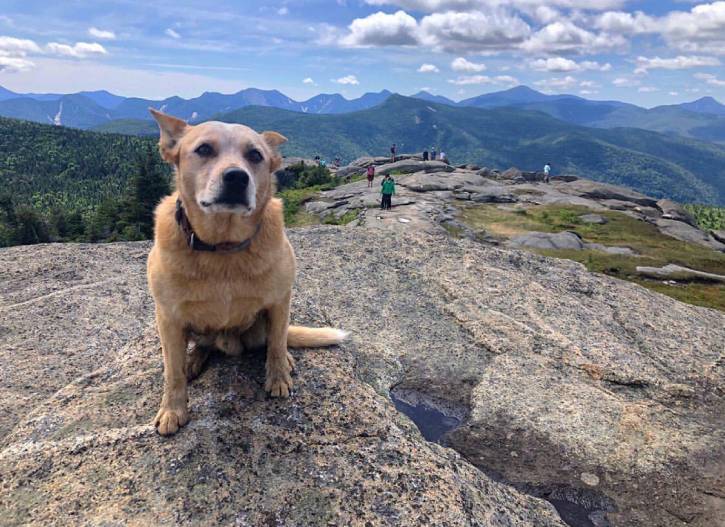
(302,337)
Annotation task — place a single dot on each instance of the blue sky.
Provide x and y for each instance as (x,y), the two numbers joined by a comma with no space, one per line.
(647,52)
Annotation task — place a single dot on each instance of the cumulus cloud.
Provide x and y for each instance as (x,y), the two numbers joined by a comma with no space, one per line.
(381,29)
(14,64)
(647,89)
(171,33)
(464,80)
(564,36)
(428,68)
(430,6)
(18,46)
(347,79)
(564,65)
(78,50)
(624,82)
(466,66)
(710,79)
(478,31)
(681,62)
(308,80)
(560,83)
(626,23)
(101,33)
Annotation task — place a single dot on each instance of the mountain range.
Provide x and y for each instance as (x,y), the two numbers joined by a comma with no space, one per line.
(34,156)
(701,119)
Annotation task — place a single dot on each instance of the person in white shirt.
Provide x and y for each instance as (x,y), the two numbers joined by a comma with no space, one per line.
(547,171)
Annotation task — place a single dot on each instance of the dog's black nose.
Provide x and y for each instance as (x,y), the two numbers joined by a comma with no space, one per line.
(236,177)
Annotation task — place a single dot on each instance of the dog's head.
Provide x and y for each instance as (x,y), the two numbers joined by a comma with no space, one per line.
(220,167)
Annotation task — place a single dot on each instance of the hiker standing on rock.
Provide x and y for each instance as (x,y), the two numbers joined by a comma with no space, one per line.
(425,155)
(387,190)
(443,157)
(392,152)
(433,154)
(371,175)
(547,171)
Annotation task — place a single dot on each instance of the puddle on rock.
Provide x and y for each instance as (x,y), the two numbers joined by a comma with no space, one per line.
(432,423)
(435,418)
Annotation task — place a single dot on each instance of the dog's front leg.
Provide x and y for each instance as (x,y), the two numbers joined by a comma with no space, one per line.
(279,360)
(173,413)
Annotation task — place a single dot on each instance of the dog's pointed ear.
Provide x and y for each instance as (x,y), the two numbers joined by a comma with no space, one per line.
(171,130)
(274,139)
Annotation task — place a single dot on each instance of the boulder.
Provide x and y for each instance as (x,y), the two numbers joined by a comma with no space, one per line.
(688,233)
(674,211)
(593,218)
(575,386)
(548,240)
(78,448)
(350,170)
(366,161)
(605,191)
(408,166)
(719,235)
(679,273)
(492,195)
(623,251)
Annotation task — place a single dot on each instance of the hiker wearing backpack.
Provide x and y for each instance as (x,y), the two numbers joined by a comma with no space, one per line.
(371,175)
(392,152)
(387,190)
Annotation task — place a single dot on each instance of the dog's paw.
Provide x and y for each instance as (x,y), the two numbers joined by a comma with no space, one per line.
(169,420)
(279,382)
(195,362)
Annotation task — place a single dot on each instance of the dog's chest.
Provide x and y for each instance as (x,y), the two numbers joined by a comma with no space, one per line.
(223,305)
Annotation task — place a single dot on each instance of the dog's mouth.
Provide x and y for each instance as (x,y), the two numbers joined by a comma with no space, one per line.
(226,204)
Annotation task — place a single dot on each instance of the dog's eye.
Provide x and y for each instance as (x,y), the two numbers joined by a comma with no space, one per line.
(204,150)
(255,156)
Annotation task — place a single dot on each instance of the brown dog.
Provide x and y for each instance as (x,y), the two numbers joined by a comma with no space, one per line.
(221,268)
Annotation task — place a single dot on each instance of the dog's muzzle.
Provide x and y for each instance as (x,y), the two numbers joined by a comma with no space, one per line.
(235,185)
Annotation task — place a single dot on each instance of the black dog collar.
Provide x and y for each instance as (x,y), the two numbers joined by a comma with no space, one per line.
(196,244)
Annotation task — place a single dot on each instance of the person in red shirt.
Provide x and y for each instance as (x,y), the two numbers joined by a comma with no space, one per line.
(371,175)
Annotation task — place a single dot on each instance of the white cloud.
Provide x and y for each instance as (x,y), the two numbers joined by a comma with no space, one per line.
(347,79)
(466,66)
(78,50)
(565,36)
(381,29)
(101,34)
(702,29)
(18,46)
(674,93)
(308,80)
(710,79)
(428,68)
(473,32)
(282,11)
(70,76)
(564,65)
(430,6)
(625,23)
(14,64)
(588,92)
(624,82)
(464,80)
(560,83)
(171,33)
(647,89)
(680,62)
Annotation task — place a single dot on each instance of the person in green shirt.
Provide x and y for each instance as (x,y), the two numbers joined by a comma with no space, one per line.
(387,190)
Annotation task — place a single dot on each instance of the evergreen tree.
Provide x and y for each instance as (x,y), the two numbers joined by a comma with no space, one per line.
(147,186)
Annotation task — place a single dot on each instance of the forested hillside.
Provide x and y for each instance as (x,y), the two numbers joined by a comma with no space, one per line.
(66,184)
(656,164)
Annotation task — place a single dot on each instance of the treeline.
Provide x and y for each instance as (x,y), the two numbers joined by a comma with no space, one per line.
(708,218)
(127,216)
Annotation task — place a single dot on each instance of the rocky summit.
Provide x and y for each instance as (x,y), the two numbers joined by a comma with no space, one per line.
(571,397)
